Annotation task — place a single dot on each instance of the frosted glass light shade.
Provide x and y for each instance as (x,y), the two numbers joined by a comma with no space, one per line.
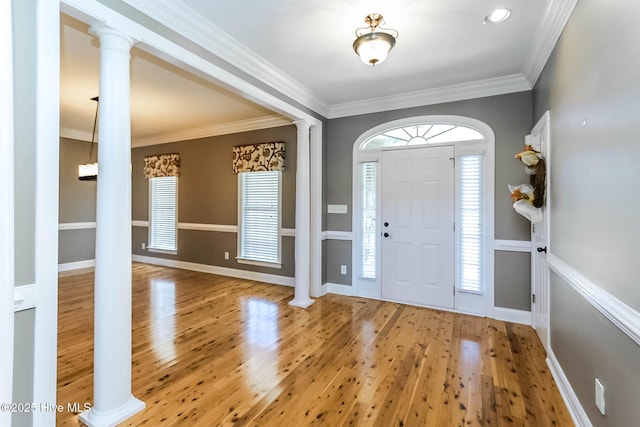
(88,171)
(373,48)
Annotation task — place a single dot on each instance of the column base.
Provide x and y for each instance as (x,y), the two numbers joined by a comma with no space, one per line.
(93,418)
(301,303)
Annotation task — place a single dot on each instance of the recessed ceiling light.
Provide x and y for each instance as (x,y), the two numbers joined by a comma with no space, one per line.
(497,16)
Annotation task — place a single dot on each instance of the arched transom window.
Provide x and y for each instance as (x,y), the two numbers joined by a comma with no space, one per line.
(421,134)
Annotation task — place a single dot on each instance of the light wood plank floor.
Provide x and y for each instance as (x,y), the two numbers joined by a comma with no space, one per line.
(211,350)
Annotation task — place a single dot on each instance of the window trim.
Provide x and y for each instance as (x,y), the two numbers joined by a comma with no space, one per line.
(249,261)
(464,301)
(150,247)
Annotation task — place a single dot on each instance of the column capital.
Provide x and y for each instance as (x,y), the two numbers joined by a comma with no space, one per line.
(302,124)
(110,37)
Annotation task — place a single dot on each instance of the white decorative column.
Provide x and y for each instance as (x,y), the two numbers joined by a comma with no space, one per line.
(112,398)
(303,214)
(316,210)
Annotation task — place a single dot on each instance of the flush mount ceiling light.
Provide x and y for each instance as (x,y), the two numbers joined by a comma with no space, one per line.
(497,16)
(373,46)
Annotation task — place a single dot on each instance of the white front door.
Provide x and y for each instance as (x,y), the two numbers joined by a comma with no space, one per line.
(539,139)
(418,226)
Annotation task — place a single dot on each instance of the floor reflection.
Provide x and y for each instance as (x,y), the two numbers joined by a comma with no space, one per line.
(260,318)
(469,352)
(163,322)
(368,359)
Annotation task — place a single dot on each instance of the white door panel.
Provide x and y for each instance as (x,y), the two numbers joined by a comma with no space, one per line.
(418,206)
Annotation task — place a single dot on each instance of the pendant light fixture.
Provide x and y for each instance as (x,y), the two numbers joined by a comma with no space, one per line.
(373,46)
(89,171)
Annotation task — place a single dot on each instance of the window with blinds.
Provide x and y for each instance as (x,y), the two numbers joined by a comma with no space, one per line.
(259,234)
(163,213)
(369,220)
(469,223)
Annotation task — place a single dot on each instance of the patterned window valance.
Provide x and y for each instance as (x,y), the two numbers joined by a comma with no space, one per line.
(268,156)
(162,165)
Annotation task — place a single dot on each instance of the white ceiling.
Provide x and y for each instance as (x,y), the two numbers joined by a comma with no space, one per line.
(440,43)
(305,48)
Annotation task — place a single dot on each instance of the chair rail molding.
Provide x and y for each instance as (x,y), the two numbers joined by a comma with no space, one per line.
(76,225)
(620,314)
(512,245)
(337,235)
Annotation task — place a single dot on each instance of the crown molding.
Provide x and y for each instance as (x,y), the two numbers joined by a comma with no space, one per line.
(265,122)
(179,17)
(555,19)
(77,134)
(458,92)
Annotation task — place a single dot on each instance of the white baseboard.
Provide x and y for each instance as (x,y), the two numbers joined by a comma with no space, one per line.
(88,263)
(576,410)
(223,271)
(511,315)
(338,289)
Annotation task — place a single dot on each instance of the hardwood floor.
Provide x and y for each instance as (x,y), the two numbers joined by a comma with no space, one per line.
(211,350)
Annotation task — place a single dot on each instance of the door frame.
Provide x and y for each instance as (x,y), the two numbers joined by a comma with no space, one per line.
(7,266)
(545,124)
(371,288)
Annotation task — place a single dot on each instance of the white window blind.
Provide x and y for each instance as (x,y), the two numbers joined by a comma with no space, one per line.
(259,238)
(368,220)
(162,226)
(470,231)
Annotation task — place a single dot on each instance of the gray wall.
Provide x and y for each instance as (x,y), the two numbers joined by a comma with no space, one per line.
(77,198)
(24,74)
(593,75)
(512,280)
(77,203)
(510,117)
(208,194)
(589,346)
(593,226)
(24,96)
(23,365)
